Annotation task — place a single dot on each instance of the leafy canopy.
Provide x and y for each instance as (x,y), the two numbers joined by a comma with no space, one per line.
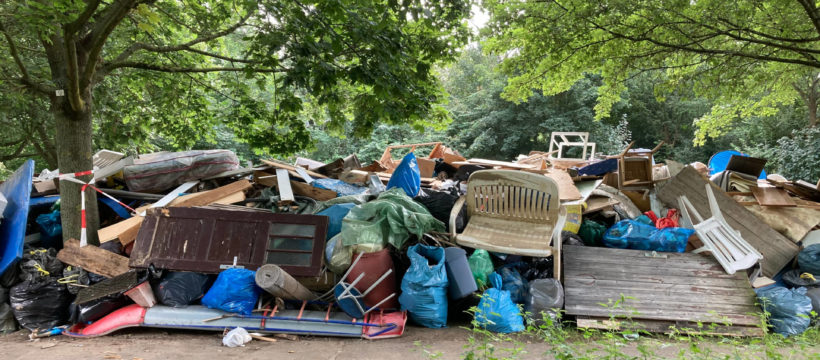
(747,56)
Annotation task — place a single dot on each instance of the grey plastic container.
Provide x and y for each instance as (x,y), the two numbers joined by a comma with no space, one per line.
(462,282)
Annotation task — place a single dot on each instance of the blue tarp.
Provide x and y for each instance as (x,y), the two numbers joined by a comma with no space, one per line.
(17,190)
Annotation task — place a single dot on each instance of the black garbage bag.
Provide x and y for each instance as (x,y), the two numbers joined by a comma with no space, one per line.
(182,288)
(7,322)
(10,276)
(4,294)
(569,238)
(97,308)
(75,275)
(792,279)
(40,263)
(40,303)
(539,268)
(440,203)
(809,260)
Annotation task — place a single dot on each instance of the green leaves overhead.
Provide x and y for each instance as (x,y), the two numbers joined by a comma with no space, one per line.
(745,56)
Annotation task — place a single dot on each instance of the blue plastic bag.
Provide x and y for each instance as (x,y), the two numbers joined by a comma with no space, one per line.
(51,229)
(233,291)
(335,215)
(424,286)
(496,311)
(809,259)
(631,234)
(340,187)
(514,283)
(407,176)
(789,308)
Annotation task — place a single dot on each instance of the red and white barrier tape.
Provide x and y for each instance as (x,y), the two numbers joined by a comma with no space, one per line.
(72,178)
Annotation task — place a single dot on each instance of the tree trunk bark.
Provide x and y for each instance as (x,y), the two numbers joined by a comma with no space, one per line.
(812,104)
(74,154)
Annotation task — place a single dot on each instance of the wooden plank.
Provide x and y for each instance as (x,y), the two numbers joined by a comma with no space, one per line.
(210,196)
(280,165)
(697,314)
(299,188)
(566,187)
(772,196)
(650,279)
(127,228)
(283,185)
(653,269)
(495,163)
(668,327)
(777,250)
(594,286)
(644,295)
(93,259)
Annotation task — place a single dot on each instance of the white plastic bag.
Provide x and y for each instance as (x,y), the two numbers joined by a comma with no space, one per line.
(236,337)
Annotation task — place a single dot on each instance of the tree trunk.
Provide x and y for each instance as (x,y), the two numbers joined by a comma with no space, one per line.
(811,102)
(74,154)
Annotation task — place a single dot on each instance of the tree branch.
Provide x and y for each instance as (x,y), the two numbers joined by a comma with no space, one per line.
(99,35)
(90,8)
(13,50)
(811,11)
(180,47)
(175,69)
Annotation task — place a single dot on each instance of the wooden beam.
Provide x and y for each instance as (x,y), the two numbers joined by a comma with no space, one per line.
(280,165)
(93,259)
(210,196)
(283,185)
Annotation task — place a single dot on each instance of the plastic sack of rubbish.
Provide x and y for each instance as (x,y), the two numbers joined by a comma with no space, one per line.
(181,288)
(97,308)
(390,219)
(40,263)
(797,278)
(809,260)
(7,323)
(51,229)
(440,203)
(335,214)
(544,296)
(406,176)
(496,311)
(233,291)
(592,232)
(789,308)
(236,337)
(481,265)
(514,283)
(631,234)
(424,286)
(40,303)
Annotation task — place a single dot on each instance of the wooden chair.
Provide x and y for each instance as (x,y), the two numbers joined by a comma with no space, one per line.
(635,168)
(512,212)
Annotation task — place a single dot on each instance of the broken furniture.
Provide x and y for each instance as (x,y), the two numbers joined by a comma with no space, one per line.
(511,212)
(721,161)
(158,172)
(196,317)
(208,239)
(723,242)
(635,168)
(657,292)
(559,140)
(777,250)
(350,299)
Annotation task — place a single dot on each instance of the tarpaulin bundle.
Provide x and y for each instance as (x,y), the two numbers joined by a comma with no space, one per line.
(632,234)
(390,219)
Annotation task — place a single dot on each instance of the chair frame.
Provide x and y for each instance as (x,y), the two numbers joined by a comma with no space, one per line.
(724,242)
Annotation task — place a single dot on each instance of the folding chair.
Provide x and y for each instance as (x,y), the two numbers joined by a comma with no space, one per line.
(725,243)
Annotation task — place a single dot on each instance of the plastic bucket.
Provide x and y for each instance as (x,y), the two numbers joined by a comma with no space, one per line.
(142,295)
(462,282)
(374,265)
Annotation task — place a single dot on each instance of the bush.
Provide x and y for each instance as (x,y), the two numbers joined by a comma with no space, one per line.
(797,157)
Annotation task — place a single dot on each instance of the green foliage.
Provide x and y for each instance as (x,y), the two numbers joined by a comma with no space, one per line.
(747,57)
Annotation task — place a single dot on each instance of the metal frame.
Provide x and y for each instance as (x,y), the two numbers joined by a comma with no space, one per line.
(555,145)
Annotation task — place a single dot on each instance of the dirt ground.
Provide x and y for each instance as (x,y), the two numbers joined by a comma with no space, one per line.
(417,343)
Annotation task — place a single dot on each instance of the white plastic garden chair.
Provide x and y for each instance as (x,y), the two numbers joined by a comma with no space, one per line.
(725,243)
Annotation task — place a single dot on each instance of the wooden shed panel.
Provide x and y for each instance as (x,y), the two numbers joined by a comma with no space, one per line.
(604,282)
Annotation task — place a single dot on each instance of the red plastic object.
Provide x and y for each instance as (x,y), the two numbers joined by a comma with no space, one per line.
(374,265)
(397,320)
(129,316)
(671,219)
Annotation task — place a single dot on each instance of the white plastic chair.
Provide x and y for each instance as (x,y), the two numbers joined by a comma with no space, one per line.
(725,243)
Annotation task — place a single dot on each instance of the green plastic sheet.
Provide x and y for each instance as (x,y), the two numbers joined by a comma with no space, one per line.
(390,219)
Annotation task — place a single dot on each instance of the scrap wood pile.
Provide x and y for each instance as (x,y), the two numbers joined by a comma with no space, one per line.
(192,239)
